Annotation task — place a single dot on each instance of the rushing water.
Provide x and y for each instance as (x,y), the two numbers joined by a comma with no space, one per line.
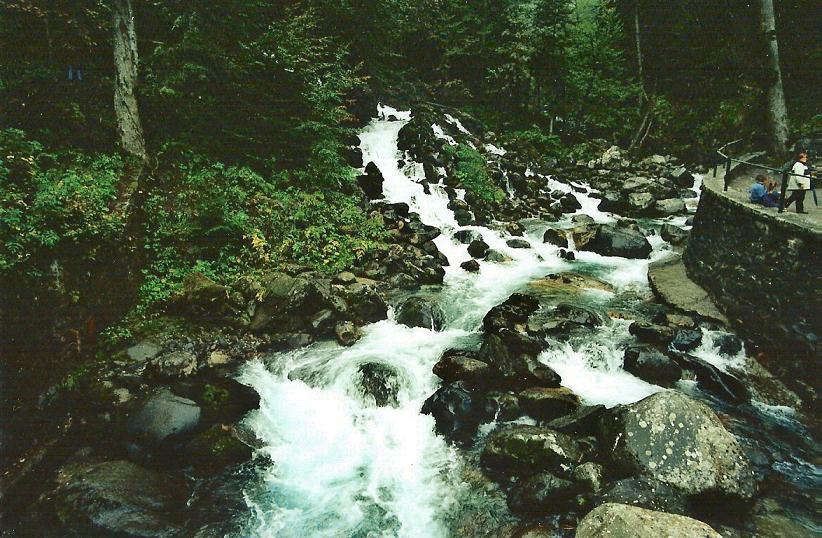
(343,466)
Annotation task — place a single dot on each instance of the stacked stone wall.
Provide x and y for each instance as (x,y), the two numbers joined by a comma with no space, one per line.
(765,273)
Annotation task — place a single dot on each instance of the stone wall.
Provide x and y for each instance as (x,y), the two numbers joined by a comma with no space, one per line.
(764,271)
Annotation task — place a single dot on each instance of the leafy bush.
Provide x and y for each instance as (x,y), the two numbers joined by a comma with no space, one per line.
(52,203)
(535,143)
(470,168)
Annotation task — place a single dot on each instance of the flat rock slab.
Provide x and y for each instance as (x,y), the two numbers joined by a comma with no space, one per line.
(671,285)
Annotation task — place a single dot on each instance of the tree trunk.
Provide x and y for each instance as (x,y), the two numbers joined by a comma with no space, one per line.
(639,59)
(129,128)
(777,111)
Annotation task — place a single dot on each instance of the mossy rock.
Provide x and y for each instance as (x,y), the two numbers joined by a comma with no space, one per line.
(218,447)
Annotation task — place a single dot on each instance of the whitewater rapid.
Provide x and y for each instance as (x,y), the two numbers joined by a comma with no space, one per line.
(342,466)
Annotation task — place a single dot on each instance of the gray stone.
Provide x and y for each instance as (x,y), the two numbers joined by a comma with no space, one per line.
(547,403)
(679,441)
(421,312)
(651,365)
(144,351)
(555,237)
(497,256)
(521,449)
(669,206)
(467,236)
(640,201)
(472,266)
(163,415)
(457,367)
(619,241)
(518,243)
(346,277)
(623,521)
(379,382)
(477,248)
(645,493)
(347,333)
(117,498)
(174,365)
(673,234)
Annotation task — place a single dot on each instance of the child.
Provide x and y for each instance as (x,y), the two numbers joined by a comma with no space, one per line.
(771,198)
(758,190)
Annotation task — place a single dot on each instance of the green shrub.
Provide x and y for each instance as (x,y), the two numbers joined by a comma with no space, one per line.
(470,168)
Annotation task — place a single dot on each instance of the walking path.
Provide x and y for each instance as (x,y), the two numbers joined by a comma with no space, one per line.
(743,178)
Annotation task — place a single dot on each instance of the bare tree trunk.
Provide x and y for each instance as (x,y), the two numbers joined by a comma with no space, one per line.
(129,128)
(777,110)
(639,59)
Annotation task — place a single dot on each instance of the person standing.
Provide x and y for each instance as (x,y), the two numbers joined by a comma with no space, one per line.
(798,183)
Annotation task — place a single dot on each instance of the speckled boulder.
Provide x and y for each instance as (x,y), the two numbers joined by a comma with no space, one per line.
(678,441)
(623,521)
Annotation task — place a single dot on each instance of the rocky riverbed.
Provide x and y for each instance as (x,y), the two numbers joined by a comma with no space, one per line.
(501,369)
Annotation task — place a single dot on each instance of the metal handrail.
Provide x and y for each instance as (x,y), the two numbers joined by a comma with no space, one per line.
(728,160)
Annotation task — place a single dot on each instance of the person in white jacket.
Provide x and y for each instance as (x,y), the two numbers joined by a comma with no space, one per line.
(799,183)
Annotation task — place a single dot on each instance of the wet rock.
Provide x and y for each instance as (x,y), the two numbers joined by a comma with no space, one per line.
(728,344)
(650,333)
(714,381)
(682,177)
(505,405)
(223,399)
(497,256)
(561,284)
(566,318)
(555,237)
(518,243)
(163,415)
(467,236)
(567,255)
(421,312)
(619,241)
(456,366)
(569,203)
(580,422)
(117,498)
(366,304)
(371,182)
(173,365)
(478,248)
(515,229)
(515,310)
(681,442)
(201,296)
(379,382)
(472,266)
(623,521)
(687,340)
(513,357)
(589,476)
(347,333)
(522,450)
(645,493)
(545,403)
(673,234)
(542,494)
(457,410)
(218,447)
(652,366)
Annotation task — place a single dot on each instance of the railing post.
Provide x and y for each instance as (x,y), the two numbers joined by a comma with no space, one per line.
(727,172)
(784,191)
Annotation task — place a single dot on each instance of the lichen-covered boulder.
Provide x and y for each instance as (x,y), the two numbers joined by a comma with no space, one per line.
(623,521)
(678,441)
(522,449)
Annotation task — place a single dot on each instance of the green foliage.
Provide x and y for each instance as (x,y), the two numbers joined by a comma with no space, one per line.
(471,171)
(535,143)
(213,396)
(53,203)
(224,221)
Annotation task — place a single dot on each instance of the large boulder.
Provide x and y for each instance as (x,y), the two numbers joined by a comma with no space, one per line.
(623,521)
(523,450)
(421,312)
(555,237)
(645,493)
(619,241)
(681,442)
(669,206)
(457,410)
(514,311)
(477,248)
(457,366)
(164,414)
(651,365)
(378,382)
(714,381)
(548,403)
(117,498)
(173,365)
(371,182)
(514,359)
